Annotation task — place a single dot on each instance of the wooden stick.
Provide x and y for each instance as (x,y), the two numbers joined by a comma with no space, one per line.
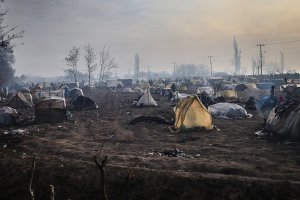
(31,178)
(101,167)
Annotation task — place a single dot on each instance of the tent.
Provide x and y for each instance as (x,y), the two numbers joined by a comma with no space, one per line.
(138,90)
(20,101)
(264,85)
(8,116)
(208,90)
(284,120)
(180,95)
(50,110)
(227,94)
(155,90)
(182,88)
(267,103)
(83,103)
(25,90)
(144,85)
(146,99)
(228,110)
(114,84)
(191,113)
(241,87)
(127,90)
(75,92)
(251,86)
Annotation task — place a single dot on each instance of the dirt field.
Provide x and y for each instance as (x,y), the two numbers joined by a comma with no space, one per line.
(232,163)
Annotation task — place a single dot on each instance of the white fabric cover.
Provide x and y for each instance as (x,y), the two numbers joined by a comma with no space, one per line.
(228,110)
(146,99)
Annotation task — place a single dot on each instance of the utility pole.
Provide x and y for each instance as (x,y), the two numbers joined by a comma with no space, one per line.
(261,56)
(211,71)
(148,73)
(174,71)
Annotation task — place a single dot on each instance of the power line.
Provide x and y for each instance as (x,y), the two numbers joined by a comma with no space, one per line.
(285,42)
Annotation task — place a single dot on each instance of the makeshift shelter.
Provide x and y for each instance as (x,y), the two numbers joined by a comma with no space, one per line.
(191,113)
(241,87)
(114,84)
(144,85)
(25,90)
(171,86)
(264,85)
(20,101)
(251,86)
(228,110)
(146,99)
(180,95)
(127,90)
(227,94)
(75,92)
(83,103)
(284,120)
(182,88)
(51,110)
(8,116)
(208,90)
(267,103)
(138,90)
(154,90)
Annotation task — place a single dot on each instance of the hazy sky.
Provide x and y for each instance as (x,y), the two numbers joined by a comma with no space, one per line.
(160,31)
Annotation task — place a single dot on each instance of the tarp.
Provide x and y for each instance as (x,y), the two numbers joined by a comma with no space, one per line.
(228,110)
(146,100)
(75,92)
(114,83)
(52,102)
(51,110)
(228,94)
(138,90)
(208,90)
(182,88)
(181,95)
(190,113)
(8,116)
(127,90)
(251,86)
(83,103)
(264,85)
(20,101)
(284,120)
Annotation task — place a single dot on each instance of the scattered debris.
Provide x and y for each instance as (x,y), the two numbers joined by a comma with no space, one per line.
(173,153)
(157,119)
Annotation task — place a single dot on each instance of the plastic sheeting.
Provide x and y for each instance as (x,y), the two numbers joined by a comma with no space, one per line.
(284,120)
(228,110)
(191,113)
(229,94)
(127,90)
(8,116)
(208,90)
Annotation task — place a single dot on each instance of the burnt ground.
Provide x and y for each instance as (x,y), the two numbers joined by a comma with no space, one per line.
(230,163)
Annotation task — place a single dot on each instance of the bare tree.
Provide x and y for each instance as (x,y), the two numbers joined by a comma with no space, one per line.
(136,68)
(281,62)
(7,37)
(107,64)
(71,61)
(236,57)
(90,58)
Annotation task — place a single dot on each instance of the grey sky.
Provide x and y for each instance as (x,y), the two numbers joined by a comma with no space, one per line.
(160,31)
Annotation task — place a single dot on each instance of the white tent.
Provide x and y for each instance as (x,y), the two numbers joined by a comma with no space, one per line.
(146,99)
(228,110)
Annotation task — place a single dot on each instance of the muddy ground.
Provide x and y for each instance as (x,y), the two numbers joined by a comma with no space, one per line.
(230,163)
